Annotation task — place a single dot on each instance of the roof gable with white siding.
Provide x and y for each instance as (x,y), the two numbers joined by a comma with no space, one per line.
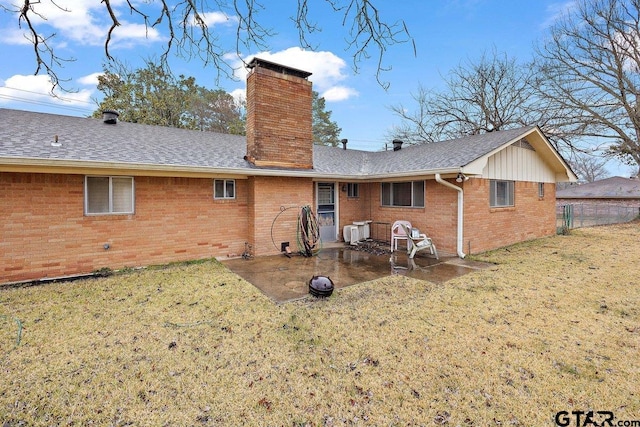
(518,163)
(529,158)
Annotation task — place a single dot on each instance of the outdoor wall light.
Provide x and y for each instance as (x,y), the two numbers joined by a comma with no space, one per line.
(106,246)
(344,188)
(461,177)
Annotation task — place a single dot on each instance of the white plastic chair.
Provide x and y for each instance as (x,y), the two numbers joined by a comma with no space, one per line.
(397,233)
(418,243)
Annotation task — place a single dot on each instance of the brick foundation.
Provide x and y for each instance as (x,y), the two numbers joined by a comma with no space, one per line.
(44,232)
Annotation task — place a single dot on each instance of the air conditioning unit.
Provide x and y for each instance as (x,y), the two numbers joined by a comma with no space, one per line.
(350,234)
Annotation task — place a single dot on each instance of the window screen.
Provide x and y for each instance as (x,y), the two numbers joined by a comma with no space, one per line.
(410,194)
(353,190)
(224,189)
(109,195)
(501,193)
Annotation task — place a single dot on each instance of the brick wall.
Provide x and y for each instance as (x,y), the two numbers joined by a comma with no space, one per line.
(354,208)
(279,131)
(484,228)
(489,228)
(437,219)
(274,205)
(44,232)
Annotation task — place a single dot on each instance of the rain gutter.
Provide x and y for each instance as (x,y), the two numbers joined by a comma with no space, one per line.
(459,242)
(57,165)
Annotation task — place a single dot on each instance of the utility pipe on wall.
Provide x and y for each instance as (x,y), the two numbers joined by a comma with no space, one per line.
(459,243)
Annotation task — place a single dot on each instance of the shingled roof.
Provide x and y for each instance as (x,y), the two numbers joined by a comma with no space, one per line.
(29,136)
(615,187)
(26,139)
(415,159)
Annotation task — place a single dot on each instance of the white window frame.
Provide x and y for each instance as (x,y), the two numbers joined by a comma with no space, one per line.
(110,205)
(495,187)
(414,194)
(541,190)
(225,193)
(353,190)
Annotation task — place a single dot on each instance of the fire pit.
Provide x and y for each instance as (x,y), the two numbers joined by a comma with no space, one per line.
(320,286)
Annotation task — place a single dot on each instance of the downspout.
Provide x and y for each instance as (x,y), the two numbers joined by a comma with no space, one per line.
(459,243)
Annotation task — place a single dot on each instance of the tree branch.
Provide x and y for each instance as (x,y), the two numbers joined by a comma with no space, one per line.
(190,36)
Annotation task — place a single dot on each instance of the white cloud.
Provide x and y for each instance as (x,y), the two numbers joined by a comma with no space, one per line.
(557,10)
(215,18)
(626,45)
(75,20)
(14,36)
(37,89)
(327,69)
(90,80)
(130,35)
(240,95)
(339,93)
(83,22)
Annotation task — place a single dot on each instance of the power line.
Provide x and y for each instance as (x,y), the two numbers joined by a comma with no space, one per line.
(46,104)
(381,141)
(47,95)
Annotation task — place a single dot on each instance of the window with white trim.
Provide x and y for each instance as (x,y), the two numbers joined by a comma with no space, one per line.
(224,188)
(353,190)
(105,195)
(501,193)
(403,194)
(541,190)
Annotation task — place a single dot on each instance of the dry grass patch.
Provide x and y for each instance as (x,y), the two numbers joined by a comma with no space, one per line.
(555,327)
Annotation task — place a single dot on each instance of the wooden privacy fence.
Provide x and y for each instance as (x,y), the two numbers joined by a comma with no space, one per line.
(588,214)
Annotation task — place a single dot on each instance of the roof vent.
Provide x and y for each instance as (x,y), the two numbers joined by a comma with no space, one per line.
(56,142)
(110,117)
(344,143)
(397,144)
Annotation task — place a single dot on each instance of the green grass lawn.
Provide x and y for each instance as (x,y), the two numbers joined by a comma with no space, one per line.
(556,326)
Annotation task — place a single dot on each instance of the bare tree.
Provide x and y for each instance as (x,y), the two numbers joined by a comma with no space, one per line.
(589,167)
(589,77)
(189,36)
(416,126)
(491,94)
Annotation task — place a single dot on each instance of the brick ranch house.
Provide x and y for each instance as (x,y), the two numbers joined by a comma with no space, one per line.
(81,194)
(615,191)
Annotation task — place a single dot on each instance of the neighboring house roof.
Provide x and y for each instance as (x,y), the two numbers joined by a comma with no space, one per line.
(26,140)
(615,187)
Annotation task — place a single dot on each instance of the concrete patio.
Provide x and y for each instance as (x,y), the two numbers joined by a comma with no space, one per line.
(286,279)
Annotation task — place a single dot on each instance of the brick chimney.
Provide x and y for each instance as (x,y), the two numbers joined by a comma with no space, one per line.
(279,132)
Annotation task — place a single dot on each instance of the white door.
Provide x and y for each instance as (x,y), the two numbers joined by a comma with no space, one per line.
(326,210)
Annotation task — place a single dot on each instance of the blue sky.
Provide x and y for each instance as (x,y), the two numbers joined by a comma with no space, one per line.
(446,33)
